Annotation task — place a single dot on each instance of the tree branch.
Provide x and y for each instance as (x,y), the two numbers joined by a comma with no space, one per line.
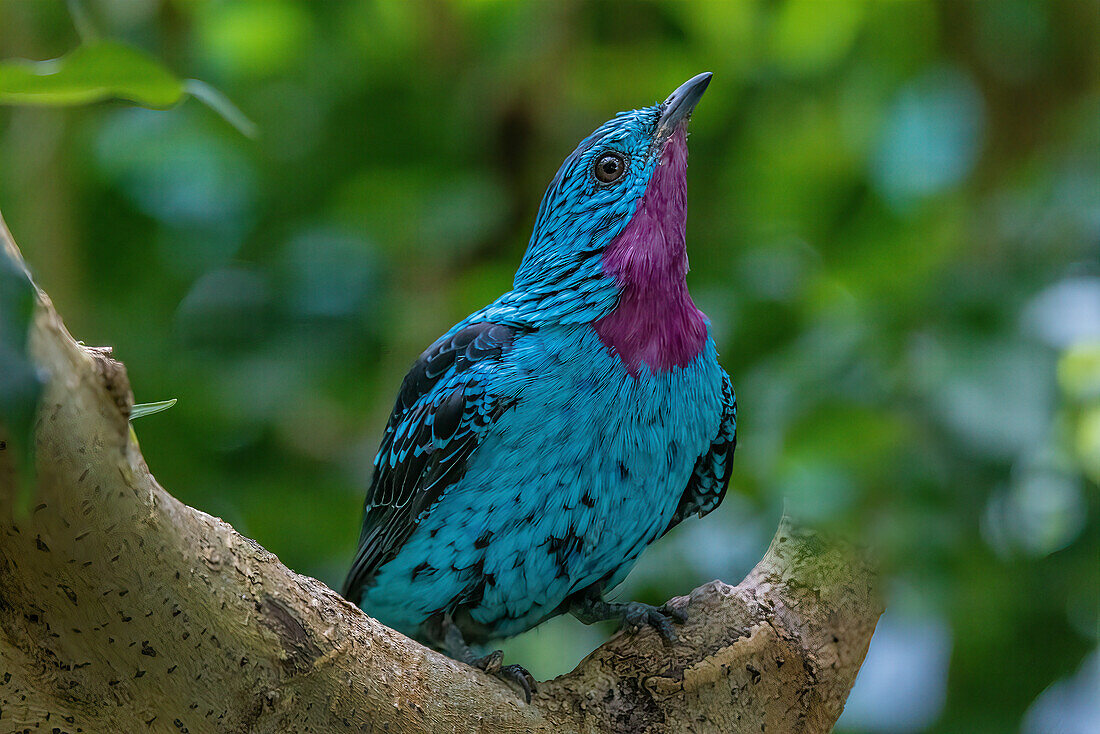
(121,609)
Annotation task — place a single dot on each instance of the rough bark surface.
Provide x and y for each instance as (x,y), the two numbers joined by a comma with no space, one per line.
(124,610)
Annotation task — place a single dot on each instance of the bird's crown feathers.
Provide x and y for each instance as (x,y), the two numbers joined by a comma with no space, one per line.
(581,212)
(589,202)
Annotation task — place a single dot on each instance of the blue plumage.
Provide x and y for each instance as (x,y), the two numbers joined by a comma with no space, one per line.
(541,444)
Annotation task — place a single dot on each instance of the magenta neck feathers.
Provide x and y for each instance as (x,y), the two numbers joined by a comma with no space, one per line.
(655,322)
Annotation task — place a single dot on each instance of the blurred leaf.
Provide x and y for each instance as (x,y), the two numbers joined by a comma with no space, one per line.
(931,137)
(1042,512)
(1079,371)
(253,37)
(108,70)
(329,274)
(183,174)
(225,309)
(92,73)
(1087,444)
(809,36)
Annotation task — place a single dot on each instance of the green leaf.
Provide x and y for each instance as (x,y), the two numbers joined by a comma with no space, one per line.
(104,70)
(143,409)
(92,73)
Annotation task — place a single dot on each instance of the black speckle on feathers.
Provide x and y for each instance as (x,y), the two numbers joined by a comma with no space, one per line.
(426,443)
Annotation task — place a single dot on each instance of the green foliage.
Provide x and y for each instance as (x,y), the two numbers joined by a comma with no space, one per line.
(104,70)
(893,228)
(92,73)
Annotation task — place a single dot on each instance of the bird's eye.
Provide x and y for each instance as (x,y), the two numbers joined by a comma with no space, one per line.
(609,167)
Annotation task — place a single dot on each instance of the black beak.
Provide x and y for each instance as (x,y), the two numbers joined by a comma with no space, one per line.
(677,108)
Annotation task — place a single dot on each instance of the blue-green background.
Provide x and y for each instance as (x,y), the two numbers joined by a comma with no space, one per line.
(894,227)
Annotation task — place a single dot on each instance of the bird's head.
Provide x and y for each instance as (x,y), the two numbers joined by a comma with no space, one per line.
(632,166)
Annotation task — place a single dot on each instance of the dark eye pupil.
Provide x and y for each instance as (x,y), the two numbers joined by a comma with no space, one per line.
(610,167)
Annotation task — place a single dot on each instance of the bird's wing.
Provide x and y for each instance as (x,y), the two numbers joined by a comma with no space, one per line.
(443,410)
(711,476)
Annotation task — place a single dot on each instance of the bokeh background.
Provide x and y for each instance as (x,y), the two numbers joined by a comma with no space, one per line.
(894,227)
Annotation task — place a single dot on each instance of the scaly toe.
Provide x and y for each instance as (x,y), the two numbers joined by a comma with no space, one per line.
(490,663)
(663,625)
(679,614)
(521,677)
(636,615)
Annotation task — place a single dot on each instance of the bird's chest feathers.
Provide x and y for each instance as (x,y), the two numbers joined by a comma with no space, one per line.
(655,321)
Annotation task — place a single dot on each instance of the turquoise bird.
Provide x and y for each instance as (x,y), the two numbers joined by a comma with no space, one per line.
(542,443)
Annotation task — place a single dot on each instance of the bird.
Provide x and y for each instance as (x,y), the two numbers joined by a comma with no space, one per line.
(542,443)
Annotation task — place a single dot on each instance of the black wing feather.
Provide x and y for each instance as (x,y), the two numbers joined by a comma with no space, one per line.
(427,442)
(711,477)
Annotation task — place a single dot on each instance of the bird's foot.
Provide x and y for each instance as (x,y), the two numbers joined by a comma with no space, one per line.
(635,615)
(632,616)
(492,664)
(455,645)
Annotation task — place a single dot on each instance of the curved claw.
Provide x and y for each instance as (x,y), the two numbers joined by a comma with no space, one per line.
(637,615)
(517,674)
(679,614)
(521,677)
(632,616)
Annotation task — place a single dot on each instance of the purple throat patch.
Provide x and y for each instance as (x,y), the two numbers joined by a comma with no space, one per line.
(655,322)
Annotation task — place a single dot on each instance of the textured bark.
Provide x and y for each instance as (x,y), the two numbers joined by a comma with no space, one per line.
(124,610)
